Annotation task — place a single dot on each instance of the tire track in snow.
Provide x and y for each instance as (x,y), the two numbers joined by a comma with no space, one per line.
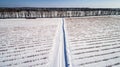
(64,40)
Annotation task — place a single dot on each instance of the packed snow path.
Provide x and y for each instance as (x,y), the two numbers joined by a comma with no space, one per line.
(93,41)
(64,40)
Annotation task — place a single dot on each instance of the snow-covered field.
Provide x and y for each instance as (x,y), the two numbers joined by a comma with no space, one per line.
(28,42)
(90,42)
(93,41)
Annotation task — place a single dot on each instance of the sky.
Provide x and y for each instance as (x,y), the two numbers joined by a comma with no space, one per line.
(61,3)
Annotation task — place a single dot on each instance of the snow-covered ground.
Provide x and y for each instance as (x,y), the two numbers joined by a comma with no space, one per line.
(29,42)
(93,41)
(90,42)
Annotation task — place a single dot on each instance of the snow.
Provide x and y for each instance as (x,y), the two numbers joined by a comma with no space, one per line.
(90,41)
(93,41)
(28,42)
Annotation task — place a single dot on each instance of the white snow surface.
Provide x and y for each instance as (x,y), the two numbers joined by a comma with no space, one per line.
(93,41)
(29,42)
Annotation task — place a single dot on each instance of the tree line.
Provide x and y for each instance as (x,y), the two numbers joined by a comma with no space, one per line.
(55,12)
